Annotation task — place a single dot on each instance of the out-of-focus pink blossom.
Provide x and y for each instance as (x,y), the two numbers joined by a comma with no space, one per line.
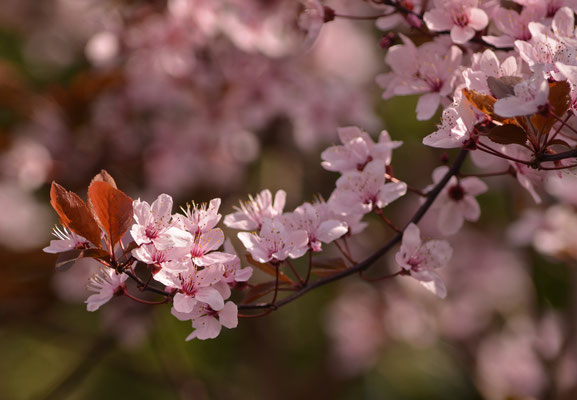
(107,283)
(306,217)
(251,214)
(457,203)
(357,149)
(359,192)
(530,97)
(428,70)
(461,17)
(421,259)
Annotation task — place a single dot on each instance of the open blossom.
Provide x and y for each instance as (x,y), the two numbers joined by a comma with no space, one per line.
(359,192)
(233,273)
(200,218)
(530,97)
(457,123)
(357,149)
(275,242)
(207,322)
(306,217)
(251,214)
(66,241)
(487,64)
(457,203)
(512,25)
(421,259)
(461,17)
(545,49)
(153,224)
(107,283)
(204,245)
(196,286)
(149,254)
(428,70)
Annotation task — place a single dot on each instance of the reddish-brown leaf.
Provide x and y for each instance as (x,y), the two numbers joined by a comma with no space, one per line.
(508,134)
(269,269)
(104,176)
(74,213)
(559,101)
(258,291)
(328,266)
(111,208)
(485,103)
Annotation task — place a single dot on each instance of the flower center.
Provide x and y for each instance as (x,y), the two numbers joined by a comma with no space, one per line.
(461,20)
(456,192)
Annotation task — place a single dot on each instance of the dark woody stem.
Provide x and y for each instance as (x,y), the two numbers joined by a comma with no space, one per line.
(365,264)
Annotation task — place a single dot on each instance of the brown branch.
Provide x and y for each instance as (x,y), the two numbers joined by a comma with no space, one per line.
(363,265)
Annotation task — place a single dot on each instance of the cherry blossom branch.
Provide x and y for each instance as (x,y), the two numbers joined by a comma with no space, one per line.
(365,264)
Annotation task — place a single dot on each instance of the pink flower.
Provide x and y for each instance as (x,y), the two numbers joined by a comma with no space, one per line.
(461,17)
(66,241)
(530,97)
(196,286)
(307,218)
(203,246)
(429,69)
(359,192)
(274,242)
(513,25)
(457,123)
(207,322)
(153,224)
(233,272)
(457,203)
(251,215)
(200,218)
(545,48)
(487,64)
(149,254)
(353,221)
(421,259)
(107,284)
(357,150)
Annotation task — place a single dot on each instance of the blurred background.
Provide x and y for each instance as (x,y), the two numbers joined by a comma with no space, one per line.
(204,99)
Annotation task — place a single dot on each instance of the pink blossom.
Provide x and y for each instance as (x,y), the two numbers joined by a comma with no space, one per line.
(487,64)
(359,192)
(66,241)
(357,149)
(545,49)
(306,217)
(428,70)
(274,242)
(457,203)
(233,272)
(149,254)
(196,286)
(457,123)
(203,246)
(207,322)
(461,17)
(421,259)
(153,224)
(200,218)
(353,221)
(530,97)
(513,25)
(251,214)
(107,283)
